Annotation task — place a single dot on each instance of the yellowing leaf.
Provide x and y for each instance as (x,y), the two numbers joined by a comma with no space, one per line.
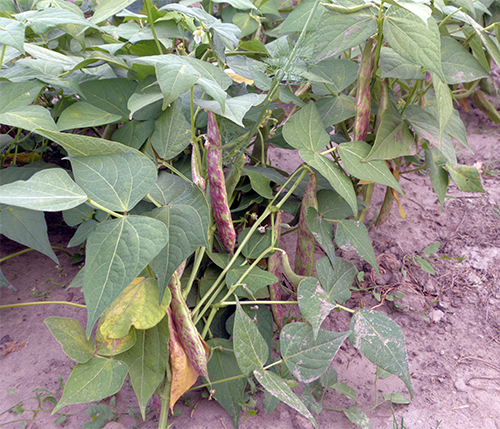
(183,373)
(136,306)
(239,79)
(112,346)
(400,207)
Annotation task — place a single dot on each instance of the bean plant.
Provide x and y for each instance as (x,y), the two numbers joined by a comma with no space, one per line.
(148,123)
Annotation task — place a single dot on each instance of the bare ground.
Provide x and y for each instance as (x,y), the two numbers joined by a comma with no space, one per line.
(451,320)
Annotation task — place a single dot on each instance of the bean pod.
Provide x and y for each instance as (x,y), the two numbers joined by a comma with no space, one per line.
(196,168)
(363,97)
(217,184)
(273,266)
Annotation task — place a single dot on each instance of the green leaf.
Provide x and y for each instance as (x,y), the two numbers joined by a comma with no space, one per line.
(238,4)
(439,177)
(356,416)
(28,228)
(250,348)
(393,139)
(425,265)
(332,172)
(48,190)
(147,95)
(296,21)
(246,23)
(458,64)
(396,398)
(338,74)
(414,40)
(353,154)
(346,390)
(466,177)
(18,94)
(110,95)
(256,279)
(147,361)
(260,183)
(107,8)
(12,33)
(431,248)
(444,103)
(306,355)
(83,115)
(257,243)
(93,380)
(490,44)
(118,181)
(117,251)
(329,378)
(77,145)
(304,130)
(331,206)
(236,107)
(134,133)
(113,346)
(29,118)
(186,215)
(138,306)
(395,66)
(381,340)
(222,366)
(3,281)
(277,387)
(175,78)
(353,235)
(334,110)
(70,334)
(337,32)
(336,277)
(322,231)
(171,135)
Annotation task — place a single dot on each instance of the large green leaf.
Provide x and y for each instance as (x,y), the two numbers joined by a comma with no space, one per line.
(322,231)
(491,44)
(29,118)
(338,74)
(256,279)
(134,133)
(147,95)
(381,340)
(318,298)
(393,139)
(27,227)
(356,416)
(93,380)
(337,32)
(77,145)
(238,4)
(304,130)
(295,21)
(277,387)
(439,177)
(171,134)
(175,78)
(223,366)
(117,181)
(138,306)
(41,20)
(250,348)
(306,355)
(50,190)
(334,110)
(257,243)
(413,39)
(466,177)
(394,65)
(353,235)
(444,103)
(353,155)
(83,115)
(18,94)
(458,64)
(117,251)
(12,33)
(186,215)
(331,206)
(260,183)
(70,334)
(147,361)
(332,172)
(107,8)
(110,95)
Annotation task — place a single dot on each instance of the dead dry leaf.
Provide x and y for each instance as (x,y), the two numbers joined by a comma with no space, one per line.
(13,346)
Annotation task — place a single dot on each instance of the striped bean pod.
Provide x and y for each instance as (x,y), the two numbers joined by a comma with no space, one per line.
(217,184)
(273,266)
(363,97)
(383,102)
(189,337)
(196,173)
(304,254)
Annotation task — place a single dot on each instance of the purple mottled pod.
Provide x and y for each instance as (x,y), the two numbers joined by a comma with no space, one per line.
(304,254)
(217,184)
(363,98)
(383,102)
(273,266)
(189,337)
(196,168)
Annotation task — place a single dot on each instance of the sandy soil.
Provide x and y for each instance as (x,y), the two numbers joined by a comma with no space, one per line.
(454,359)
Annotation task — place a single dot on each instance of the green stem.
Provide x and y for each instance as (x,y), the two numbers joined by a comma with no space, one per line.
(410,98)
(165,399)
(467,93)
(104,209)
(380,39)
(449,16)
(2,55)
(150,198)
(29,304)
(108,131)
(198,258)
(31,250)
(326,152)
(174,170)
(149,6)
(210,296)
(228,303)
(367,198)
